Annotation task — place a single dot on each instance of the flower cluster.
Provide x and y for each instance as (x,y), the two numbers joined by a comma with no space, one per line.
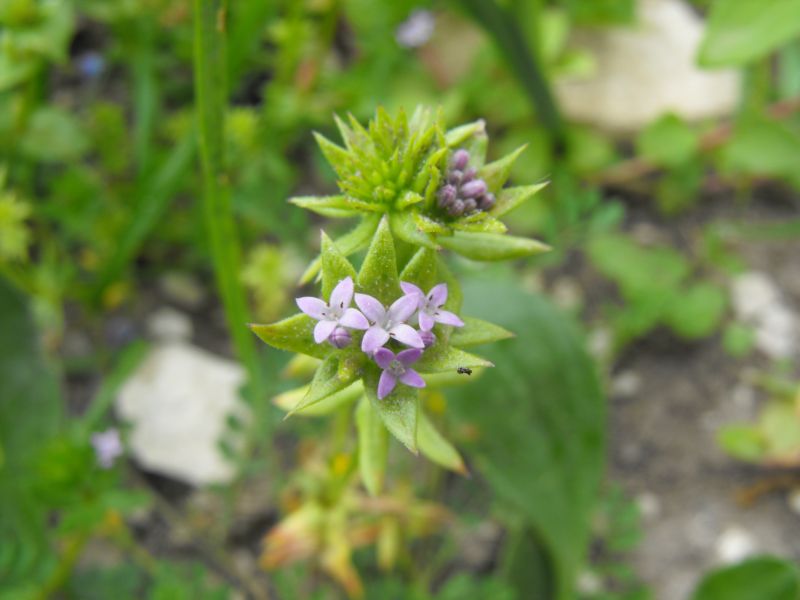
(463,191)
(381,324)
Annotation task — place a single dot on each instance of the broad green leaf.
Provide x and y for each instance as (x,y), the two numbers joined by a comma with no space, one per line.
(492,247)
(288,401)
(496,173)
(334,206)
(294,334)
(668,142)
(434,446)
(326,382)
(780,430)
(373,447)
(54,135)
(335,267)
(421,270)
(353,241)
(455,297)
(405,227)
(510,198)
(539,421)
(476,331)
(741,31)
(378,274)
(699,310)
(762,578)
(744,442)
(399,410)
(441,358)
(30,412)
(451,378)
(762,146)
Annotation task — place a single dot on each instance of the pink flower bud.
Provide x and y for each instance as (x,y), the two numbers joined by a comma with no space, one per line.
(469,175)
(428,338)
(473,189)
(340,338)
(459,160)
(487,201)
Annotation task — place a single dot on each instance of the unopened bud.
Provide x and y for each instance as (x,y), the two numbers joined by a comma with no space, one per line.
(469,175)
(340,338)
(447,196)
(454,177)
(459,160)
(487,201)
(473,189)
(456,208)
(428,338)
(470,205)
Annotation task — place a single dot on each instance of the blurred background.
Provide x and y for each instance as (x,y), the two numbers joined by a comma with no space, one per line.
(643,434)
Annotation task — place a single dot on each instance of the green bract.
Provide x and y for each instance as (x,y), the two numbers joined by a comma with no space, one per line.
(397,166)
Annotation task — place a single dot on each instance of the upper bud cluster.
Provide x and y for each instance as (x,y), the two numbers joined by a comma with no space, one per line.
(463,191)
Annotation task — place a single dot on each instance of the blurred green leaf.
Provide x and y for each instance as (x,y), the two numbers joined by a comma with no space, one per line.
(434,446)
(762,146)
(763,578)
(738,339)
(373,447)
(539,423)
(741,31)
(744,442)
(667,142)
(699,310)
(54,135)
(492,247)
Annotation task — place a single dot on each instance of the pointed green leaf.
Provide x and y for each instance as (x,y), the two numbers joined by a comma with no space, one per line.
(288,401)
(486,224)
(373,447)
(346,132)
(334,205)
(496,174)
(405,227)
(492,246)
(337,156)
(295,334)
(326,382)
(441,358)
(335,266)
(452,378)
(378,274)
(399,410)
(475,142)
(407,200)
(428,225)
(457,136)
(349,243)
(434,446)
(477,331)
(510,198)
(422,269)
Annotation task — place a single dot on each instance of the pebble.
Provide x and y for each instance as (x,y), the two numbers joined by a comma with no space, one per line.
(734,545)
(168,324)
(758,302)
(626,385)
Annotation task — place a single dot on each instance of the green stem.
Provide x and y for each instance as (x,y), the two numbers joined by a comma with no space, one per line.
(211,98)
(523,61)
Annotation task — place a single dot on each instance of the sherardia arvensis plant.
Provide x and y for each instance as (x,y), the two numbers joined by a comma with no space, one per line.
(381,334)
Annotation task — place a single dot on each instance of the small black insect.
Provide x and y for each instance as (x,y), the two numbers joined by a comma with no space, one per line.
(464,371)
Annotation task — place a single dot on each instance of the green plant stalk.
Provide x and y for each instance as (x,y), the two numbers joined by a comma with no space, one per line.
(523,61)
(210,92)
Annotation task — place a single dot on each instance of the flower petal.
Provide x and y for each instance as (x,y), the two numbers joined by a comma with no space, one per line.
(448,318)
(313,307)
(384,357)
(409,356)
(410,289)
(342,294)
(406,335)
(438,295)
(374,339)
(353,319)
(402,308)
(371,307)
(412,378)
(386,384)
(426,321)
(323,330)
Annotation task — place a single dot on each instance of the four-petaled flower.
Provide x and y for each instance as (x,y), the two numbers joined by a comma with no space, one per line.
(388,324)
(430,306)
(335,313)
(397,367)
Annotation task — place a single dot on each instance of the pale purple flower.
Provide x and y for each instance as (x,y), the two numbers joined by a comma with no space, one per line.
(107,447)
(388,324)
(335,313)
(397,368)
(429,306)
(416,30)
(428,338)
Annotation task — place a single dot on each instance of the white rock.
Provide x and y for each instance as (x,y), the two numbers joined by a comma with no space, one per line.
(177,402)
(626,385)
(168,324)
(649,505)
(734,545)
(758,302)
(646,70)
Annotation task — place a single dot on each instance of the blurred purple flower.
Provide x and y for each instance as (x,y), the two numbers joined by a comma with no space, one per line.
(430,306)
(91,65)
(416,30)
(397,368)
(389,323)
(334,314)
(107,447)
